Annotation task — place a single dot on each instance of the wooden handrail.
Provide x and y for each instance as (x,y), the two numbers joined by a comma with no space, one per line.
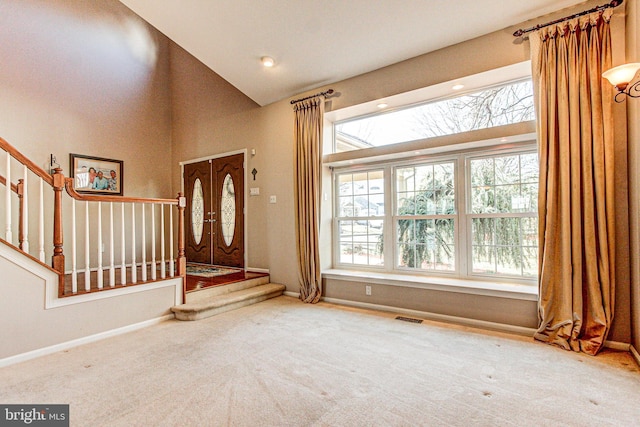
(28,163)
(60,183)
(3,181)
(107,198)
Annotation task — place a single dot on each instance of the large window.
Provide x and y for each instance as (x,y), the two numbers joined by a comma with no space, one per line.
(464,215)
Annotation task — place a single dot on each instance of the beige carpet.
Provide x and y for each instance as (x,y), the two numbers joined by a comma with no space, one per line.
(283,363)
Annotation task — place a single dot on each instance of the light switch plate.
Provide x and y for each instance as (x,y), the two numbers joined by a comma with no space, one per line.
(254,191)
(272,199)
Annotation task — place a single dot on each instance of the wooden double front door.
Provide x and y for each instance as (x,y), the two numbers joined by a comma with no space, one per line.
(215,211)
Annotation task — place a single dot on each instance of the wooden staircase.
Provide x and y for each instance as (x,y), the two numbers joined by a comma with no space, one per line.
(219,299)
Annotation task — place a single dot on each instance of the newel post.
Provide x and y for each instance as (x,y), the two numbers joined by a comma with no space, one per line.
(58,256)
(20,188)
(182,259)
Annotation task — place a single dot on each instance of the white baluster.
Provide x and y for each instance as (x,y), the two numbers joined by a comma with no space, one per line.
(74,266)
(153,241)
(134,272)
(172,268)
(144,246)
(112,268)
(8,235)
(123,265)
(163,266)
(25,211)
(41,223)
(100,270)
(87,253)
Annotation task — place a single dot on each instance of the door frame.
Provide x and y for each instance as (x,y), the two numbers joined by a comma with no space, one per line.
(244,152)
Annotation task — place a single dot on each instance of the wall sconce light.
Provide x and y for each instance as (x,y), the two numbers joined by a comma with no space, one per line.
(620,77)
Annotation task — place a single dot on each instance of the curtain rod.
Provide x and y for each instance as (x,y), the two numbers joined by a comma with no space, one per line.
(328,92)
(614,3)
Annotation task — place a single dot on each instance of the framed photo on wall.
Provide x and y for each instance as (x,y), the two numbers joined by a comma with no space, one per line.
(96,175)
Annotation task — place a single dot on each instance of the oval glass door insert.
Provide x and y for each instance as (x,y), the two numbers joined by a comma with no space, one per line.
(197,211)
(228,210)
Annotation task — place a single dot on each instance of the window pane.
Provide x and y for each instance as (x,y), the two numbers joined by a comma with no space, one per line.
(483,200)
(433,189)
(360,183)
(497,106)
(483,231)
(529,167)
(484,259)
(346,206)
(509,261)
(530,231)
(406,231)
(346,230)
(361,242)
(529,262)
(361,194)
(406,255)
(507,183)
(504,197)
(482,173)
(406,204)
(507,232)
(427,244)
(507,170)
(345,184)
(444,250)
(346,253)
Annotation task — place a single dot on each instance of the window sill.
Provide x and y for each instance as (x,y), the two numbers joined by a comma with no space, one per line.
(464,286)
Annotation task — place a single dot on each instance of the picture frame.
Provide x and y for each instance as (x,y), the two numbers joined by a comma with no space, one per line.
(96,175)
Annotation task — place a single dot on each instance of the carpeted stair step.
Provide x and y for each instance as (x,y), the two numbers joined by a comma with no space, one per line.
(228,301)
(207,293)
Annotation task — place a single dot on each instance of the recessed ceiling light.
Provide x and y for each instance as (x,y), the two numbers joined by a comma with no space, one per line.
(383,105)
(504,140)
(457,87)
(267,61)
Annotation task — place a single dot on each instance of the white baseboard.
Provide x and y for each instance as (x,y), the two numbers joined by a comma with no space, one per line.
(616,345)
(80,341)
(635,354)
(258,270)
(482,324)
(292,294)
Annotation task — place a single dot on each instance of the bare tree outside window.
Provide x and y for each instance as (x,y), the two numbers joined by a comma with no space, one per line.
(489,108)
(497,106)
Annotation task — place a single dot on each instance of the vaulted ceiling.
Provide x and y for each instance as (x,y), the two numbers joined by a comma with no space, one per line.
(315,43)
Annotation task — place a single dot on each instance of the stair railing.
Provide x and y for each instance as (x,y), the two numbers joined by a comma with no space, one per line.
(141,234)
(23,200)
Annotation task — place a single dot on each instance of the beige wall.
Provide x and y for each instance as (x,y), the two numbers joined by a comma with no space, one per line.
(27,326)
(74,81)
